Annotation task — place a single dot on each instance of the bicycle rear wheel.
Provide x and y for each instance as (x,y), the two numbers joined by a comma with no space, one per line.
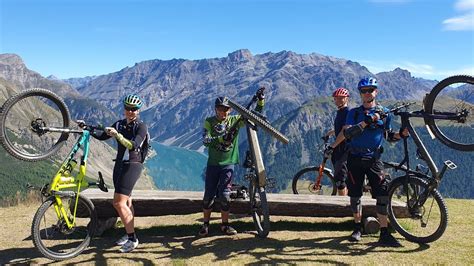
(19,116)
(421,224)
(247,114)
(259,209)
(51,235)
(303,182)
(453,95)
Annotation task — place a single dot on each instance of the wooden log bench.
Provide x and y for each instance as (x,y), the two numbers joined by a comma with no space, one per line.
(158,203)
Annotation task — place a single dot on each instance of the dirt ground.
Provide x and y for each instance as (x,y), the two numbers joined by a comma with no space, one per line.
(172,240)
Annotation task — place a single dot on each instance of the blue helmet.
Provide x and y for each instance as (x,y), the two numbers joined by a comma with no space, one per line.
(367,82)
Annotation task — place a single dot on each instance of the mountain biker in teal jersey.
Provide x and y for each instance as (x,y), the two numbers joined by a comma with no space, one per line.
(366,128)
(220,136)
(131,134)
(338,149)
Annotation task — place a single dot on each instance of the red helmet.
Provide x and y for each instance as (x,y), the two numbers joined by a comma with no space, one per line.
(340,92)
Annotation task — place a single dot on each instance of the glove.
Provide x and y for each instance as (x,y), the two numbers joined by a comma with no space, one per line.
(260,94)
(81,123)
(328,151)
(370,118)
(400,131)
(229,136)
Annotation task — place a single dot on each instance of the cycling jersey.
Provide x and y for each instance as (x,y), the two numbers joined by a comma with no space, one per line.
(214,130)
(339,122)
(369,142)
(134,131)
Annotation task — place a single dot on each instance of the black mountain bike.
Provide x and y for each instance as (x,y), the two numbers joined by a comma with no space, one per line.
(448,112)
(449,115)
(256,174)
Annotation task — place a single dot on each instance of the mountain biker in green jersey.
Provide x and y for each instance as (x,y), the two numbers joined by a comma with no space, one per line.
(366,128)
(220,136)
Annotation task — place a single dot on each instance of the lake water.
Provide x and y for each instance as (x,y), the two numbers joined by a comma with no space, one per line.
(174,168)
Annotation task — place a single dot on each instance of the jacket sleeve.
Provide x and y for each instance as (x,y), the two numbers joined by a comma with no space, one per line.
(207,139)
(102,135)
(260,105)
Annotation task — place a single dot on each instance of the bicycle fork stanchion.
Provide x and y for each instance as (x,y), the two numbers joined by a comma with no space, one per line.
(256,154)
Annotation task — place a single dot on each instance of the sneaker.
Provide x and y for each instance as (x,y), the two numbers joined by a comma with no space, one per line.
(204,231)
(122,240)
(228,230)
(355,236)
(129,246)
(388,240)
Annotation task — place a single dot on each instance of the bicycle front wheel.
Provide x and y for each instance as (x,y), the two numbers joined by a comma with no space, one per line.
(420,224)
(21,117)
(304,180)
(259,209)
(51,235)
(453,96)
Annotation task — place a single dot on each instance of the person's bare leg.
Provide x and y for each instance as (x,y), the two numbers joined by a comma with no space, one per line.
(124,211)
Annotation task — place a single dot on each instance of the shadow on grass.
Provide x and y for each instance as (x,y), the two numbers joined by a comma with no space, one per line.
(179,243)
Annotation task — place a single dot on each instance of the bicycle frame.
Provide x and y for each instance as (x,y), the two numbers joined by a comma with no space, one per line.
(256,154)
(436,175)
(405,117)
(75,183)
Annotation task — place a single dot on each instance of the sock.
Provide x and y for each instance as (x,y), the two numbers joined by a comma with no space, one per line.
(132,237)
(358,226)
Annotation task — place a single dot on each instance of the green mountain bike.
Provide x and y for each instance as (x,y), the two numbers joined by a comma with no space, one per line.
(34,124)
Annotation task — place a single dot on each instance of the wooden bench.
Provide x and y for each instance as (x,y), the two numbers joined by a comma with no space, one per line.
(158,203)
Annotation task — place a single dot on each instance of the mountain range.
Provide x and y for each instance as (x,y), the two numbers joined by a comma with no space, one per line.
(179,93)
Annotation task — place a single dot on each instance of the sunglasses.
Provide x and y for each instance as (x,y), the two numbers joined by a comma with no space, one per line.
(368,90)
(133,109)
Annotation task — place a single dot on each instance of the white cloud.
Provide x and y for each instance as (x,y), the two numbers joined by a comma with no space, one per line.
(465,22)
(464,5)
(461,22)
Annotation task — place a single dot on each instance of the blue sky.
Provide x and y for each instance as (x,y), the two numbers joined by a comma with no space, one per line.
(431,39)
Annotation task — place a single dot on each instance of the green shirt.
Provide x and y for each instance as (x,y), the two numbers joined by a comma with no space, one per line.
(216,156)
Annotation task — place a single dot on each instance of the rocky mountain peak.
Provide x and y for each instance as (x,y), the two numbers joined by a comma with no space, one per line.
(240,55)
(11,59)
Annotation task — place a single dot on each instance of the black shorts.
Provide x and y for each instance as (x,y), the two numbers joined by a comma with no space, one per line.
(358,168)
(339,161)
(125,176)
(218,181)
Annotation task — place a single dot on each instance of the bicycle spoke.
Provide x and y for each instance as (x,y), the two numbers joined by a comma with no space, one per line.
(54,238)
(417,223)
(22,119)
(455,99)
(305,184)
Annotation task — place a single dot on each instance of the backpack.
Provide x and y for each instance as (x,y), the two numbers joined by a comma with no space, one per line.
(145,147)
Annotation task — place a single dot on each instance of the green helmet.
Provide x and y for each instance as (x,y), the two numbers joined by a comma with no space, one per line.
(132,100)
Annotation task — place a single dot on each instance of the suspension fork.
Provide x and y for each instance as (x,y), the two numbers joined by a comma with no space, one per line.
(317,183)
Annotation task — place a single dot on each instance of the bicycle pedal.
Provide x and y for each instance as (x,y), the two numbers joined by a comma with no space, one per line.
(450,164)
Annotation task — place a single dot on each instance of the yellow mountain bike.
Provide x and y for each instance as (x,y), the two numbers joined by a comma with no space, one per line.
(34,124)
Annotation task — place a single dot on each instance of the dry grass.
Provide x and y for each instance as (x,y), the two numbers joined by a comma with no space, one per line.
(171,240)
